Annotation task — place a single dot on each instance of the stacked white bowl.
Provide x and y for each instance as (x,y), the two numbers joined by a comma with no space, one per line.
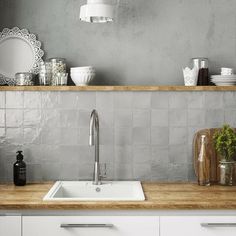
(227,78)
(227,71)
(82,76)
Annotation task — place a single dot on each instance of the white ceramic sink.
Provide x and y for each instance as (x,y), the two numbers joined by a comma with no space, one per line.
(86,191)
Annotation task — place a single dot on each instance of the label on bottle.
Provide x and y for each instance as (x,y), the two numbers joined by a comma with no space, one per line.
(22,173)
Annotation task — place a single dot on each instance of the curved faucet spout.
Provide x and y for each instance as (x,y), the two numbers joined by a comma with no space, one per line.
(94,141)
(93,128)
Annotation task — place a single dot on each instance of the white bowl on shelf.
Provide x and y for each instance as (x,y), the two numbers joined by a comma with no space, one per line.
(82,69)
(82,73)
(82,79)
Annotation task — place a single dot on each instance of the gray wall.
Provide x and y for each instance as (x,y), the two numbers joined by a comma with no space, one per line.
(149,43)
(144,135)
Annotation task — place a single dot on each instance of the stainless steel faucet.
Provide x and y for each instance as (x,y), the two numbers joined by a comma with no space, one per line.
(94,141)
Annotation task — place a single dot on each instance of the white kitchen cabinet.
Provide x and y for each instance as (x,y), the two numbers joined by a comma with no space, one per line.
(198,225)
(10,225)
(90,225)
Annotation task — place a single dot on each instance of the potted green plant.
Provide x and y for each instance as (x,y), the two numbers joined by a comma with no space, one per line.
(225,144)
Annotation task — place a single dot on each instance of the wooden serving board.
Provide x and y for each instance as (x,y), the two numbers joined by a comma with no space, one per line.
(211,152)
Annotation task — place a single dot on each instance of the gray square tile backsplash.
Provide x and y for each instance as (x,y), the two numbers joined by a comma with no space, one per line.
(143,135)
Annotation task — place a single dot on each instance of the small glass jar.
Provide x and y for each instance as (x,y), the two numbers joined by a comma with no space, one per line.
(45,73)
(53,72)
(58,69)
(58,65)
(226,173)
(24,79)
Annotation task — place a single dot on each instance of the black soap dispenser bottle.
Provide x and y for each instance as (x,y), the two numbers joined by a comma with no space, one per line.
(19,170)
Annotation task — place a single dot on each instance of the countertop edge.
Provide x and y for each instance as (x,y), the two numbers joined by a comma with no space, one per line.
(118,88)
(114,207)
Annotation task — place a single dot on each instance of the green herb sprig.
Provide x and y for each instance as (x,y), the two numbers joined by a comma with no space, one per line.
(225,142)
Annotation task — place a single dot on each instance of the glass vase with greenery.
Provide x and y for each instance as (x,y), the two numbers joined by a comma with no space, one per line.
(225,144)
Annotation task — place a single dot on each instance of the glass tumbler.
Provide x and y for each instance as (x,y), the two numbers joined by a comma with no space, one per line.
(45,73)
(60,79)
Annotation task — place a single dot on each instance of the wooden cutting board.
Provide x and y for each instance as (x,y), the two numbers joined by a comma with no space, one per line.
(211,152)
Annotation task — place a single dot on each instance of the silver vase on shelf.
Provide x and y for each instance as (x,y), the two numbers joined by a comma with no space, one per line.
(227,169)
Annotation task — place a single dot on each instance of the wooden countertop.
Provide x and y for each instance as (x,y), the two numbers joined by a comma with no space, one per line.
(158,197)
(118,88)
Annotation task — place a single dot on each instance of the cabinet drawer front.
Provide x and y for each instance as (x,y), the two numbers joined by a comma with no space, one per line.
(89,225)
(10,225)
(198,225)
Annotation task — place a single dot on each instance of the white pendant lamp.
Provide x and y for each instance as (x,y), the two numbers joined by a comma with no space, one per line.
(97,11)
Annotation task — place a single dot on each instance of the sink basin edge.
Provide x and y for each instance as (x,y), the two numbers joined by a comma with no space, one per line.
(86,191)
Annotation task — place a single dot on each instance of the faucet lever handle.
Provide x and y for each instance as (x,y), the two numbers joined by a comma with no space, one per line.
(103,170)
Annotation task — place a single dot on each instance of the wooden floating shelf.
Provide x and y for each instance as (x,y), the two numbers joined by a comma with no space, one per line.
(117,88)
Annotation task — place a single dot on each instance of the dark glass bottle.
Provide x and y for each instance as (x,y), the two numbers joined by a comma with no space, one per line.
(201,64)
(203,77)
(19,170)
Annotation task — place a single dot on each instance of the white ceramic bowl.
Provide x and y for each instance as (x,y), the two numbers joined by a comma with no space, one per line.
(84,69)
(82,79)
(82,75)
(82,72)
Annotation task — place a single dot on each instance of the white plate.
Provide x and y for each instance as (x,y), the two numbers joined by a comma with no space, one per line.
(223,76)
(222,84)
(223,80)
(19,52)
